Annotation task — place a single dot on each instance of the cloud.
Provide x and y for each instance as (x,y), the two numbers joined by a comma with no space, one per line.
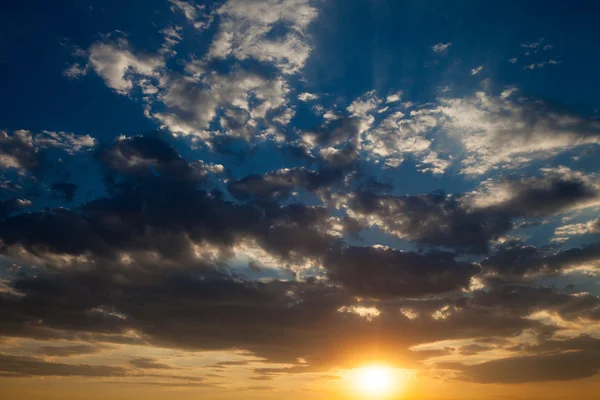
(163,244)
(381,272)
(244,32)
(21,366)
(431,219)
(117,64)
(441,47)
(307,96)
(281,183)
(76,70)
(501,132)
(515,260)
(533,45)
(18,151)
(476,70)
(69,142)
(192,104)
(565,232)
(145,155)
(148,363)
(69,350)
(195,14)
(470,221)
(12,205)
(539,368)
(21,150)
(392,98)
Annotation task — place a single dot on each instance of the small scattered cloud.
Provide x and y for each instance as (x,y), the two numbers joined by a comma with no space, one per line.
(441,47)
(307,96)
(476,70)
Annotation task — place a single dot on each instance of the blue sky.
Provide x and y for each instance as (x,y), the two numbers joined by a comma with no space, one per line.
(394,151)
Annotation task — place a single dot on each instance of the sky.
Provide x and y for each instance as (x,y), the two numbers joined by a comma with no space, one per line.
(259,199)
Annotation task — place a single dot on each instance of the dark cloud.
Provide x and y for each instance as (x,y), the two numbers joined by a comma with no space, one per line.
(539,368)
(18,151)
(582,342)
(473,349)
(68,351)
(470,221)
(431,219)
(383,272)
(148,363)
(146,156)
(12,205)
(158,248)
(545,195)
(514,260)
(280,184)
(523,300)
(21,366)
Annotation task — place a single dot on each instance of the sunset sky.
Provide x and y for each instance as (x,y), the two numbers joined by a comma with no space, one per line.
(299,199)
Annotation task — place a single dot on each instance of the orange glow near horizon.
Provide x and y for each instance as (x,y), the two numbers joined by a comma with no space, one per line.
(377,381)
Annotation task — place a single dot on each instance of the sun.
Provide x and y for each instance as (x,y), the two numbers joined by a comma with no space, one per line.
(377,381)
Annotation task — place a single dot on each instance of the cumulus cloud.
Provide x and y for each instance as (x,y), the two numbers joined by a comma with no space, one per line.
(307,96)
(244,32)
(502,132)
(383,272)
(76,70)
(470,221)
(281,183)
(195,14)
(117,64)
(192,103)
(565,232)
(22,149)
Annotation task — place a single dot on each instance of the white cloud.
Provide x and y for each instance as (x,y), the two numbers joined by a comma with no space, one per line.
(441,47)
(192,102)
(507,92)
(363,108)
(172,37)
(565,232)
(501,132)
(533,45)
(114,61)
(245,26)
(69,142)
(307,96)
(476,70)
(195,14)
(76,70)
(535,65)
(513,60)
(394,97)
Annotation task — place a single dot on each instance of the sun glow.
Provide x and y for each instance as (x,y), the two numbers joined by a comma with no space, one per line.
(377,381)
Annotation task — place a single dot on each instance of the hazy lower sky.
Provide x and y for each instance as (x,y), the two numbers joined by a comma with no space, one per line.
(299,199)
